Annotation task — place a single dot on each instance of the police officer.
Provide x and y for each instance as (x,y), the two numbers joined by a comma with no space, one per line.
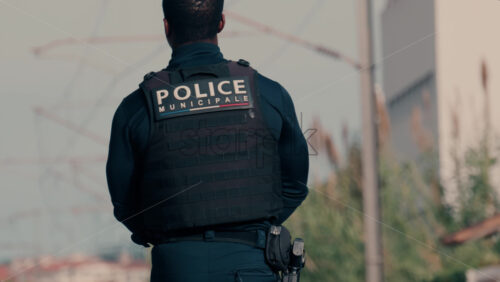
(205,156)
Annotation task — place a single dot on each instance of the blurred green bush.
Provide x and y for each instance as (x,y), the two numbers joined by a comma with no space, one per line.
(414,218)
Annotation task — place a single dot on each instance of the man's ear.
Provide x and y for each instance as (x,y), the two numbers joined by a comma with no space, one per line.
(222,23)
(168,30)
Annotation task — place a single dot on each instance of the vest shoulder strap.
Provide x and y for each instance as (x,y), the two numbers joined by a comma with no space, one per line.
(154,80)
(241,68)
(150,82)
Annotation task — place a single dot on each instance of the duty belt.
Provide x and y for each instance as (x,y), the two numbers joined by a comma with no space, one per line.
(253,238)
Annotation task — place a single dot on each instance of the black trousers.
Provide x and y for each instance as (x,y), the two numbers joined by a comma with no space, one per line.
(209,261)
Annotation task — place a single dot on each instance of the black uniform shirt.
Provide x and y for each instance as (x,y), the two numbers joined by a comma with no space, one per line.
(130,131)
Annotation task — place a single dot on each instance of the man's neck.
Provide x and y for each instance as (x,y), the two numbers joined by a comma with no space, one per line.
(214,41)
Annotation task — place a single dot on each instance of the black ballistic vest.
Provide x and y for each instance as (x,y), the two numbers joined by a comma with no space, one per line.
(211,159)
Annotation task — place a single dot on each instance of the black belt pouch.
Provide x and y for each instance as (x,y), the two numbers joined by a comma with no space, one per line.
(278,244)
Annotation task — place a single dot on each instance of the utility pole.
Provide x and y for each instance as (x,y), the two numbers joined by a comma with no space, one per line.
(371,202)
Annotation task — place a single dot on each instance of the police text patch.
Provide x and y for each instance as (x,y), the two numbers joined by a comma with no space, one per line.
(202,96)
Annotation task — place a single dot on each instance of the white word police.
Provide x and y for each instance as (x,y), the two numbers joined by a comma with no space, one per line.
(203,94)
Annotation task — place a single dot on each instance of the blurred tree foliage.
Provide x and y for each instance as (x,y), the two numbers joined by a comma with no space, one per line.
(414,218)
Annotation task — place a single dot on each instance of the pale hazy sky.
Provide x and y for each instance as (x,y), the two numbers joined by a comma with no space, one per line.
(80,85)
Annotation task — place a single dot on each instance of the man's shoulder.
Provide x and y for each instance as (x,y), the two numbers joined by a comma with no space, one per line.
(264,82)
(273,92)
(268,84)
(133,104)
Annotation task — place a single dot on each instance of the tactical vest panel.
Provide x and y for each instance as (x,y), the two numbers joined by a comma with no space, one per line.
(211,159)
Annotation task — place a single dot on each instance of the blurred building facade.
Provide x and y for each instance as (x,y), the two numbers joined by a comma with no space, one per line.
(441,75)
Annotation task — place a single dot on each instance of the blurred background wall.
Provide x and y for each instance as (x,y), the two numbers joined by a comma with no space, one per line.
(441,89)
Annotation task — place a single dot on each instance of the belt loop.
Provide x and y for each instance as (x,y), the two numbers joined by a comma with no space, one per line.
(261,239)
(209,235)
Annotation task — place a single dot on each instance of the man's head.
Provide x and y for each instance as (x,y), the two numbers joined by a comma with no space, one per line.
(189,21)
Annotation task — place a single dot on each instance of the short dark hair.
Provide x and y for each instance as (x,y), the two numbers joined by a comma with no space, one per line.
(193,20)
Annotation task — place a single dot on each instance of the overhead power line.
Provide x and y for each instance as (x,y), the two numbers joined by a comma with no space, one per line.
(94,40)
(294,39)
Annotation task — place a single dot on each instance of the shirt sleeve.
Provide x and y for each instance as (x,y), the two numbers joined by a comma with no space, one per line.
(120,170)
(294,158)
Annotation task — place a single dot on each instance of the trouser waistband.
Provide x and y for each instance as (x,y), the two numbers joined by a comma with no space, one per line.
(253,238)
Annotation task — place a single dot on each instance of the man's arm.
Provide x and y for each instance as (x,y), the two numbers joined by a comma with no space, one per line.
(120,169)
(294,157)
